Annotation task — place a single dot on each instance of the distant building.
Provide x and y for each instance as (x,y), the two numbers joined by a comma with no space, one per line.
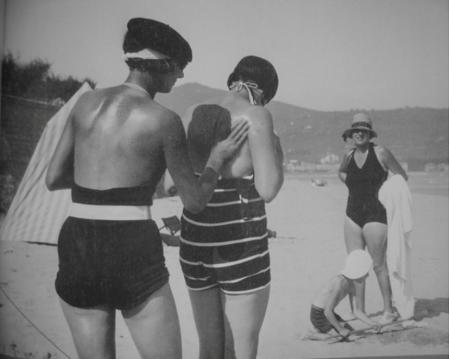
(330,158)
(436,167)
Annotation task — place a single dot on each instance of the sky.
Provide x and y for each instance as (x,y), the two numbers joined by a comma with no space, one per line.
(330,55)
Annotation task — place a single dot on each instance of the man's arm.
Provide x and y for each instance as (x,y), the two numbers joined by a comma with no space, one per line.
(60,169)
(266,154)
(194,192)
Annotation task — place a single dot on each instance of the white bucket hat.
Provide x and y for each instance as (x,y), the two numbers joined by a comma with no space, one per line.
(358,263)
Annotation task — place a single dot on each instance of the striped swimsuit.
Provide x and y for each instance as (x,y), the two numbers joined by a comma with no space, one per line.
(226,245)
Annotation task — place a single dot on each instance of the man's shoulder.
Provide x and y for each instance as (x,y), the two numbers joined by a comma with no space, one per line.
(86,102)
(160,112)
(93,97)
(155,116)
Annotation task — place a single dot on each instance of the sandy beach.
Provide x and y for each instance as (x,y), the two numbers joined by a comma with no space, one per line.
(308,250)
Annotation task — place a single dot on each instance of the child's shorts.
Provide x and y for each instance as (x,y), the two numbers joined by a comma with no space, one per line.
(321,323)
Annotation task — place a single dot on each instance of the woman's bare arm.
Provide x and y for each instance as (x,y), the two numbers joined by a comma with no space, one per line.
(344,166)
(390,162)
(266,154)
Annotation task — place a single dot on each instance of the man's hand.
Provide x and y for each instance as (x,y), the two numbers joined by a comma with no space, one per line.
(227,148)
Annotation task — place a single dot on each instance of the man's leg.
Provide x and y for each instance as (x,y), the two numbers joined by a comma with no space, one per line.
(154,326)
(93,330)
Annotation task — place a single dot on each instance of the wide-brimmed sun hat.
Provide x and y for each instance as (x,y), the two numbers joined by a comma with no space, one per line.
(360,121)
(358,263)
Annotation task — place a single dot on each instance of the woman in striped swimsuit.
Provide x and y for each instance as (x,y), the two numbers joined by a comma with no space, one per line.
(224,248)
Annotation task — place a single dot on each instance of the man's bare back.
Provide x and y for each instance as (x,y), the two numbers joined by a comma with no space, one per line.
(118,138)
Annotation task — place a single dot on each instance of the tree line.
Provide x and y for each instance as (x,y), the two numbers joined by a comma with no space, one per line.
(34,80)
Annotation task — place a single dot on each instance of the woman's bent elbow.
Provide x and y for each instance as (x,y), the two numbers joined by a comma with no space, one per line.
(268,199)
(268,192)
(269,195)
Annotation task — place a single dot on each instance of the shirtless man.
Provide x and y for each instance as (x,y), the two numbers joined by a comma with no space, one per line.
(114,149)
(224,248)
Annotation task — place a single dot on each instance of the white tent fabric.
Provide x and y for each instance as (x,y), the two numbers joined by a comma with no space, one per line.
(36,214)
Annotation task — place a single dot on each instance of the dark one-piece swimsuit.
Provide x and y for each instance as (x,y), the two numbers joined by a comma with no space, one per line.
(363,183)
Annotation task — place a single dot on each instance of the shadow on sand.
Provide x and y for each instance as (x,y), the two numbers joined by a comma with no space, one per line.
(426,308)
(429,308)
(422,334)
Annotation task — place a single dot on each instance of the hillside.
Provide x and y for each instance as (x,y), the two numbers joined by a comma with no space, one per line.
(415,135)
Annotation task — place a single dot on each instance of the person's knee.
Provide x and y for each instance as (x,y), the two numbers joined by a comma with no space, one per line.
(380,266)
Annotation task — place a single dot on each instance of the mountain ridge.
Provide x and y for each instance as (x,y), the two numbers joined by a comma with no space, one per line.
(415,135)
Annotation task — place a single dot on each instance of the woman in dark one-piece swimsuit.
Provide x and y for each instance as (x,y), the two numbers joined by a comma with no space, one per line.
(364,169)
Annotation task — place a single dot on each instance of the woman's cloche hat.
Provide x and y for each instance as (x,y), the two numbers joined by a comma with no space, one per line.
(360,121)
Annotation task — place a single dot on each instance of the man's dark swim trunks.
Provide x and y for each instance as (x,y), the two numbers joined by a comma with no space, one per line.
(363,184)
(117,263)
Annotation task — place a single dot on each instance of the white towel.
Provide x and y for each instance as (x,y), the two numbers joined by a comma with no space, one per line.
(396,197)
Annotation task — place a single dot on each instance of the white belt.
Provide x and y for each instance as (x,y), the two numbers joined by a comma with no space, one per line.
(109,212)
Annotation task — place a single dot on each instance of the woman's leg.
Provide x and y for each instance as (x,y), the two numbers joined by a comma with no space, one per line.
(244,315)
(354,240)
(154,326)
(93,330)
(353,235)
(376,240)
(208,313)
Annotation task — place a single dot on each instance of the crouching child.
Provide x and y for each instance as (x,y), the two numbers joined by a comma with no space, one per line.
(325,321)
